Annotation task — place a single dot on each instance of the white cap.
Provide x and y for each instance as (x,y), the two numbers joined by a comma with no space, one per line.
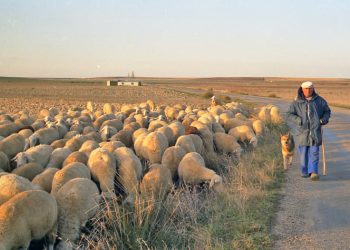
(307,85)
(213,97)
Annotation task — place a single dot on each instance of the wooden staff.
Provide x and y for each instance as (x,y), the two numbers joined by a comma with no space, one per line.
(323,155)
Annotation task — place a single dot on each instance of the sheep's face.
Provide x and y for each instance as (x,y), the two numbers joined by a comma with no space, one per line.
(33,140)
(254,141)
(216,184)
(21,159)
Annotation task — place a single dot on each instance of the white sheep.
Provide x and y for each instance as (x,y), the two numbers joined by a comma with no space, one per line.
(44,179)
(177,129)
(111,145)
(258,127)
(4,162)
(244,133)
(57,157)
(186,143)
(88,146)
(153,147)
(275,115)
(171,159)
(227,144)
(12,184)
(125,136)
(129,172)
(67,173)
(29,170)
(192,170)
(102,165)
(77,202)
(108,108)
(75,157)
(40,154)
(44,136)
(59,143)
(29,215)
(156,183)
(12,145)
(206,135)
(107,132)
(9,128)
(74,144)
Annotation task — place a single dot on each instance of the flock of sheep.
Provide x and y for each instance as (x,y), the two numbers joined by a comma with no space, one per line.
(56,166)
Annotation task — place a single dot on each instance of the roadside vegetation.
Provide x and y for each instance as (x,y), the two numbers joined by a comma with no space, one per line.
(239,218)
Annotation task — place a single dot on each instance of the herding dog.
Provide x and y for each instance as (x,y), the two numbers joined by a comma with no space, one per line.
(288,145)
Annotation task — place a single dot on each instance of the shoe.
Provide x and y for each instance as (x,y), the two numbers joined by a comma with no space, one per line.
(314,177)
(304,175)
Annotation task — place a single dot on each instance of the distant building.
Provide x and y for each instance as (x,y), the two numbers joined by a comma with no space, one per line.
(123,83)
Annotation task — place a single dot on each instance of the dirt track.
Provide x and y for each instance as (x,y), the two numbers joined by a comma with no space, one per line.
(316,215)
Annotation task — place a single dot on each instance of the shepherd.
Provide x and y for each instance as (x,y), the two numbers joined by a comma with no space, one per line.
(309,112)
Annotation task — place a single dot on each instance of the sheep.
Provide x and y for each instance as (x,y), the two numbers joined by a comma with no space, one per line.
(9,128)
(258,127)
(30,215)
(12,184)
(234,122)
(26,133)
(186,143)
(154,145)
(192,170)
(40,154)
(156,183)
(275,115)
(29,170)
(198,143)
(206,136)
(177,129)
(76,157)
(77,202)
(171,113)
(88,146)
(74,144)
(116,123)
(98,122)
(12,145)
(217,127)
(90,106)
(94,136)
(4,162)
(111,146)
(227,144)
(108,108)
(102,165)
(69,172)
(264,114)
(44,136)
(125,136)
(44,179)
(57,157)
(165,130)
(153,125)
(59,143)
(107,132)
(244,133)
(171,159)
(138,132)
(129,172)
(132,127)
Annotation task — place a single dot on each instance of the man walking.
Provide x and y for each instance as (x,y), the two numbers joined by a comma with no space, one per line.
(309,112)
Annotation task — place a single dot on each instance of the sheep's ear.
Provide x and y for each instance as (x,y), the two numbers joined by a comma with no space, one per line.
(212,183)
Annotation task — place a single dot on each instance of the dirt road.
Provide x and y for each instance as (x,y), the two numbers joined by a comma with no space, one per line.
(316,215)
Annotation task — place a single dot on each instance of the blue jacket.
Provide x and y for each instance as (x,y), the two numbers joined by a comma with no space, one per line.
(308,116)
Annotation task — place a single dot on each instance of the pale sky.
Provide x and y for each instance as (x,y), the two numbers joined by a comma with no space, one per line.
(175,38)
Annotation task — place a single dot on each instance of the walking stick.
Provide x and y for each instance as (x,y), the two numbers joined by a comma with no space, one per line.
(323,155)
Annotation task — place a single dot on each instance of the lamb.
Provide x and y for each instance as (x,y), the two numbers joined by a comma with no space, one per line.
(69,172)
(156,184)
(44,179)
(29,215)
(4,162)
(129,172)
(77,202)
(44,136)
(244,133)
(76,157)
(102,165)
(88,146)
(12,145)
(40,154)
(192,170)
(57,157)
(12,184)
(227,144)
(171,159)
(29,170)
(154,145)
